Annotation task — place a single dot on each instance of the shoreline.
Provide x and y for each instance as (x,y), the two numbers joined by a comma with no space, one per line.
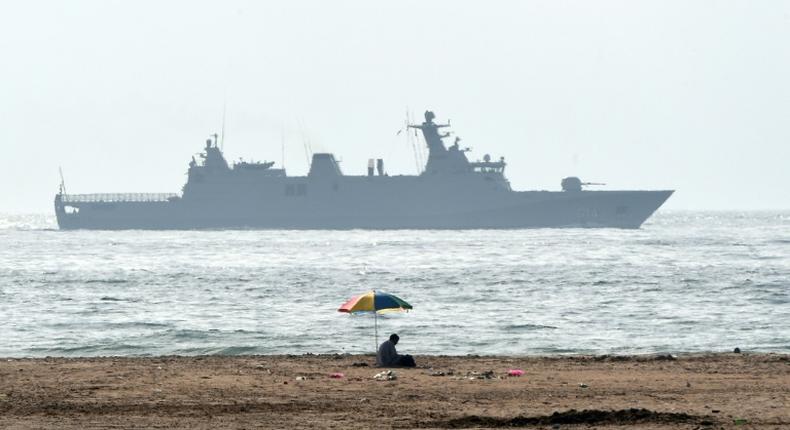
(541,355)
(657,391)
(668,356)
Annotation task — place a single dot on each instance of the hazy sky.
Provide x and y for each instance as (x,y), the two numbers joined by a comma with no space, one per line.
(687,95)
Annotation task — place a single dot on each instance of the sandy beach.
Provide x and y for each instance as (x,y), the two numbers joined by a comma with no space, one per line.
(652,392)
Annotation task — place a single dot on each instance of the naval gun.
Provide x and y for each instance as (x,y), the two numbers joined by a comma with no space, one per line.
(572,183)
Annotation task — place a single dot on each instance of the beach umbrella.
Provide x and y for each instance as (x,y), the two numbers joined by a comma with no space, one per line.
(376,302)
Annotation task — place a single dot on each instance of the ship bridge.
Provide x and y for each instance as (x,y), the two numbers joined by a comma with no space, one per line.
(452,160)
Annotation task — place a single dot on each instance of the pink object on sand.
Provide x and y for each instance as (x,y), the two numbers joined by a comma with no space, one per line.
(515,372)
(337,375)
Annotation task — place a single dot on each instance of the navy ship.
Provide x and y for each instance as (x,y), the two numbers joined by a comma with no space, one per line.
(451,192)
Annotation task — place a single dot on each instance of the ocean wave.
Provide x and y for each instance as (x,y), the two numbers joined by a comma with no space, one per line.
(89,350)
(529,327)
(678,284)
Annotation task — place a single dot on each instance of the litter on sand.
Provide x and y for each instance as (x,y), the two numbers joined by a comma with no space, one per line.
(387,375)
(488,374)
(515,372)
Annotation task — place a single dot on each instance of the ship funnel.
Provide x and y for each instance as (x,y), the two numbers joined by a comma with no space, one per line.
(324,165)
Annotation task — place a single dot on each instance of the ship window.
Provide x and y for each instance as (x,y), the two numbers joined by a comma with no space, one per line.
(295,189)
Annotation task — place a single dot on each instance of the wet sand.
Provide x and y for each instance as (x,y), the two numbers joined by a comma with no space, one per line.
(651,392)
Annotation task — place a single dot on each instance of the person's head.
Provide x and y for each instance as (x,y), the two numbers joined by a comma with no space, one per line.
(394,338)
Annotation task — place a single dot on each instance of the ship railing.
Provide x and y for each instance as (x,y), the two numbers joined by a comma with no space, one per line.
(118,197)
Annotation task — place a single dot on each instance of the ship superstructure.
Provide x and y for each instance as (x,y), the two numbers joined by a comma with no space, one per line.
(450,193)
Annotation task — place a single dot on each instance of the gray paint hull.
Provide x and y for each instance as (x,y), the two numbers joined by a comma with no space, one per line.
(419,210)
(450,193)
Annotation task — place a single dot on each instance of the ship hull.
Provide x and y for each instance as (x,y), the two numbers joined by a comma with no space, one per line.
(422,208)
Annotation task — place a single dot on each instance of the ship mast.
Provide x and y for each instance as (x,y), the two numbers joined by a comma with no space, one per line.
(62,181)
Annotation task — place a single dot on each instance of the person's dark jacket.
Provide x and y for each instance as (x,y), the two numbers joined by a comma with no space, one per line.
(387,355)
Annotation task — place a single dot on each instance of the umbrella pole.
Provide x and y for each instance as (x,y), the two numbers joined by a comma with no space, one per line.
(376,330)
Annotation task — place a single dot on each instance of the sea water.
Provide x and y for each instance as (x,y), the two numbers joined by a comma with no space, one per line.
(684,282)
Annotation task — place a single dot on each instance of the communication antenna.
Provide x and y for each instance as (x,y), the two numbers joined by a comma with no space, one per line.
(308,150)
(62,182)
(410,142)
(222,130)
(419,150)
(282,148)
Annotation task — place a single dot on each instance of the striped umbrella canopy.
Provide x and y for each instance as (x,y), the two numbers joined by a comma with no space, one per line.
(376,302)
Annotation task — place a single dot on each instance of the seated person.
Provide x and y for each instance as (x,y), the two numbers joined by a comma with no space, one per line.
(387,356)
